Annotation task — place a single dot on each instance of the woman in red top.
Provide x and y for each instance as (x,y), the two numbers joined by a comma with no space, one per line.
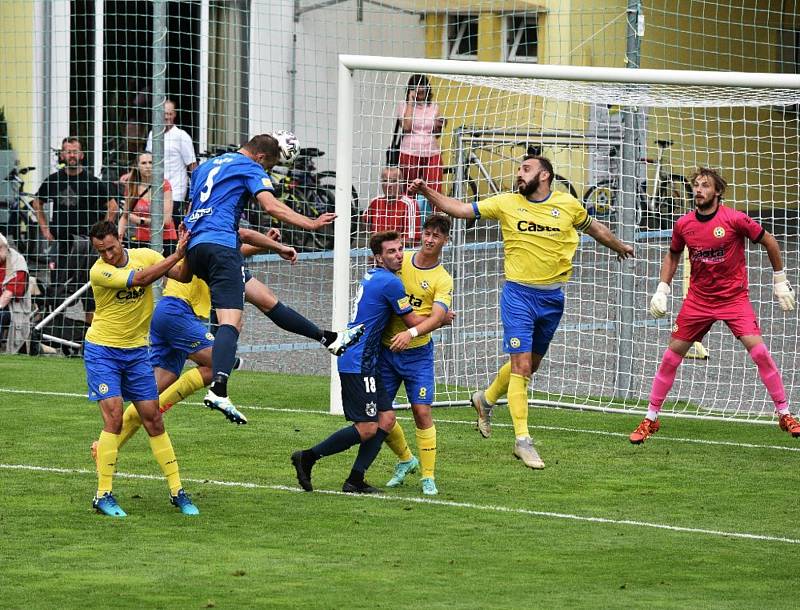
(138,192)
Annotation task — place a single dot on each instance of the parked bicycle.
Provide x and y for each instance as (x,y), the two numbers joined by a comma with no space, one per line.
(478,179)
(670,195)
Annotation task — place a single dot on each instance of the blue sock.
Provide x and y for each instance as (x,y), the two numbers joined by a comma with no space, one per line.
(367,453)
(337,442)
(288,319)
(223,357)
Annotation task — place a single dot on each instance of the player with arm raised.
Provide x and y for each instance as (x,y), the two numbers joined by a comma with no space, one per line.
(117,360)
(715,236)
(408,359)
(364,397)
(220,189)
(179,332)
(540,235)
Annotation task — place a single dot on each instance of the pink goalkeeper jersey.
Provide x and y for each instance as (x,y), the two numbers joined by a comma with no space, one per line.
(716,250)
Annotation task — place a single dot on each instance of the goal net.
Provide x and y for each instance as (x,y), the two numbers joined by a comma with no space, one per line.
(624,147)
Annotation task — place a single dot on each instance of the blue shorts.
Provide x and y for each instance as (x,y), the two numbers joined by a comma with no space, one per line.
(222,268)
(118,371)
(175,332)
(363,396)
(530,317)
(412,367)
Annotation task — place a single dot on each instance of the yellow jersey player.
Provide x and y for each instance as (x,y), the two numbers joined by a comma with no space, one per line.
(540,235)
(116,356)
(178,331)
(407,356)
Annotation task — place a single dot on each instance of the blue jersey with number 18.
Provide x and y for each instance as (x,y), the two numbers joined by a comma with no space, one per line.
(379,294)
(220,190)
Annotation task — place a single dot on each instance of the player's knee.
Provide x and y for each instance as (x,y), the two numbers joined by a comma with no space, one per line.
(366,429)
(386,420)
(152,420)
(422,416)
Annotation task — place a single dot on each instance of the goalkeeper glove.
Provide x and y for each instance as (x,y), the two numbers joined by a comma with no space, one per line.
(658,304)
(783,291)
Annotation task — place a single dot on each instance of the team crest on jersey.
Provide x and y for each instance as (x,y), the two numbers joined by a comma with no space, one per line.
(514,342)
(719,232)
(102,388)
(555,213)
(209,336)
(371,409)
(674,328)
(425,285)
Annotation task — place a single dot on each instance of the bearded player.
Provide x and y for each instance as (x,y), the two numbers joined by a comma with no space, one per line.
(540,236)
(715,235)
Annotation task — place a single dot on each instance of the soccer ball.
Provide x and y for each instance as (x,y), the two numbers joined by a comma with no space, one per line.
(288,146)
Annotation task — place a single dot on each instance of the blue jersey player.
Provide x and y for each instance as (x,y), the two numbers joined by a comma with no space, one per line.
(366,403)
(220,189)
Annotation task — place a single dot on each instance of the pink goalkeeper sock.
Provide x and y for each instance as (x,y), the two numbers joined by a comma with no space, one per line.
(665,377)
(770,375)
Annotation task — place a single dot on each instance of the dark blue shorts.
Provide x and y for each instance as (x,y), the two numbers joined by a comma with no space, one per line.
(530,317)
(175,332)
(117,371)
(222,268)
(412,367)
(363,396)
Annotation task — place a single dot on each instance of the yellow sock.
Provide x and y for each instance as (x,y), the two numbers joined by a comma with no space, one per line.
(396,439)
(518,403)
(131,422)
(426,443)
(184,386)
(107,449)
(165,456)
(499,387)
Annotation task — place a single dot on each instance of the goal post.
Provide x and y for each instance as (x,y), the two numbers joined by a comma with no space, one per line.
(607,348)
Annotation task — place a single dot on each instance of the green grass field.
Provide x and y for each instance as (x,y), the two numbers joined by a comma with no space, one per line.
(704,515)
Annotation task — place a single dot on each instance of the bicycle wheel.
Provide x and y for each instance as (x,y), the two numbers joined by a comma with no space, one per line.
(563,185)
(674,197)
(600,200)
(327,181)
(321,201)
(290,234)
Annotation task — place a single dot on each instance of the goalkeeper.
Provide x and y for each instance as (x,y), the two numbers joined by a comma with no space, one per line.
(540,235)
(718,290)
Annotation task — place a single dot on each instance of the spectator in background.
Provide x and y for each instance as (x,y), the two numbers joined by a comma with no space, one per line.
(179,158)
(136,212)
(394,210)
(421,125)
(15,298)
(78,200)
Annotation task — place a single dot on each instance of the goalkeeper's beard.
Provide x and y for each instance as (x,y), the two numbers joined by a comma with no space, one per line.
(526,189)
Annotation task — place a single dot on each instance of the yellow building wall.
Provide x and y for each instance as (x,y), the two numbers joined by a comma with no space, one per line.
(757,149)
(16,75)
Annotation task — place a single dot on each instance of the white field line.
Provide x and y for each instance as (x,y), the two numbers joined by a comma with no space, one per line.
(470,422)
(429,501)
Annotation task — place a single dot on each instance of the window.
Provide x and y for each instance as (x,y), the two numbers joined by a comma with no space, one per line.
(522,38)
(462,37)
